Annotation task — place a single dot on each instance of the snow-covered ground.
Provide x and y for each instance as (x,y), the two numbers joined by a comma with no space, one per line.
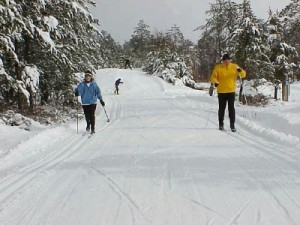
(160,160)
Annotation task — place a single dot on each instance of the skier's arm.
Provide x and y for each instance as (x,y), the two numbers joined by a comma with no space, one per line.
(214,76)
(241,72)
(99,96)
(78,90)
(98,91)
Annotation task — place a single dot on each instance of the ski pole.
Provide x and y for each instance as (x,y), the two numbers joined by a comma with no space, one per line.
(77,119)
(210,105)
(106,114)
(241,90)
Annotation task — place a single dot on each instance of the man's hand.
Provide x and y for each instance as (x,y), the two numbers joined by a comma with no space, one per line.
(102,102)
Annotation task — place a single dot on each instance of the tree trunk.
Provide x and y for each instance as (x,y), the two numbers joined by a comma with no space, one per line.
(18,76)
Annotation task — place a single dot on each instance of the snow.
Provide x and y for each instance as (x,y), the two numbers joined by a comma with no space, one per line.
(51,22)
(2,71)
(160,160)
(46,38)
(31,77)
(43,3)
(264,88)
(80,9)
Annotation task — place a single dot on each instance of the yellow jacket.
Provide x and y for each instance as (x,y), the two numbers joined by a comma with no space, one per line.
(226,77)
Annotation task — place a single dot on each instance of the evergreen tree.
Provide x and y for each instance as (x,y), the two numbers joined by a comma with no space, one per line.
(208,53)
(282,53)
(290,20)
(51,37)
(111,52)
(138,45)
(170,57)
(249,45)
(221,23)
(175,38)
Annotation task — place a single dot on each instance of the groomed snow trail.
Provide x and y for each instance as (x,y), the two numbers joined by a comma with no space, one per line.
(159,161)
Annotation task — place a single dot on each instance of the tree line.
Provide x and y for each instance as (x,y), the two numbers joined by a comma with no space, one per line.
(43,44)
(265,48)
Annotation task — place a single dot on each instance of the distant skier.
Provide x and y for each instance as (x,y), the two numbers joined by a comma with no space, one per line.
(127,63)
(117,83)
(89,92)
(224,78)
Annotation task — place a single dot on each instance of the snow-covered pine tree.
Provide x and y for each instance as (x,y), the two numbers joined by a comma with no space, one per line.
(171,58)
(11,28)
(111,51)
(207,49)
(290,18)
(176,39)
(76,47)
(52,36)
(249,45)
(282,53)
(139,44)
(220,24)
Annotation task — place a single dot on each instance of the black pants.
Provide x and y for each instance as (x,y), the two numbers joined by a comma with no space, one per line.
(89,112)
(127,64)
(117,89)
(223,99)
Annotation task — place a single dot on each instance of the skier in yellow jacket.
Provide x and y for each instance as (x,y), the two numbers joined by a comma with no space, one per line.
(224,77)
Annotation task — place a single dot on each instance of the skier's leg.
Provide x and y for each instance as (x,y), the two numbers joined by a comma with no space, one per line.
(231,109)
(222,107)
(92,116)
(87,118)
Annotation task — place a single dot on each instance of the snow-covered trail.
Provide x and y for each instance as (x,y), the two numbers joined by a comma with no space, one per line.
(159,161)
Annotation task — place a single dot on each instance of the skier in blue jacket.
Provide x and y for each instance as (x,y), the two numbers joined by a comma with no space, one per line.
(89,92)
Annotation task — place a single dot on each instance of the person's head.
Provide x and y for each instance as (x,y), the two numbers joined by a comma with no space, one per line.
(88,76)
(226,59)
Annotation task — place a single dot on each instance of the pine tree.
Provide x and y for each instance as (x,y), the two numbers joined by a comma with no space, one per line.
(111,51)
(221,23)
(53,38)
(282,53)
(290,18)
(138,45)
(170,57)
(175,38)
(249,45)
(208,53)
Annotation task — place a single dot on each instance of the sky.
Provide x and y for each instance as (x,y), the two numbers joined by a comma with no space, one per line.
(120,17)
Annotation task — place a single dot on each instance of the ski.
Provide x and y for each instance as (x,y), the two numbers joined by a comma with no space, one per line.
(91,135)
(85,133)
(223,130)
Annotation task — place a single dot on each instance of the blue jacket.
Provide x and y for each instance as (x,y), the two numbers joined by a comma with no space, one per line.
(89,94)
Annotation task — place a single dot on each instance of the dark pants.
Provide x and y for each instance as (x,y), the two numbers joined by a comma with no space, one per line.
(223,99)
(89,112)
(117,89)
(127,64)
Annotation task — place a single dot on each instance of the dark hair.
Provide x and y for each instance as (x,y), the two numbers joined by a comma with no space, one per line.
(226,57)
